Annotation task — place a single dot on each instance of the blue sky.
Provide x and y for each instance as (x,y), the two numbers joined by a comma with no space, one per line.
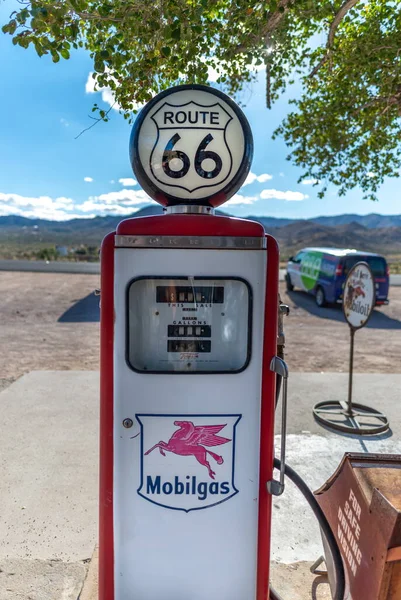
(46,172)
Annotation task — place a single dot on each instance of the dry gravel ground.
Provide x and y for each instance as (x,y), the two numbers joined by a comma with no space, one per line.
(318,339)
(37,331)
(51,321)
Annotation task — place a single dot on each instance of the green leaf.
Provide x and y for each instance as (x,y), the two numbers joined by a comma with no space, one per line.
(166,51)
(176,34)
(99,66)
(65,53)
(11,27)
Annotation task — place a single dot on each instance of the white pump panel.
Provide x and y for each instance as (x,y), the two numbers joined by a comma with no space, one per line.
(186,474)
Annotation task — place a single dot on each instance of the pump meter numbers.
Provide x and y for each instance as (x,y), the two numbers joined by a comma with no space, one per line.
(189,346)
(188,324)
(173,157)
(189,331)
(197,294)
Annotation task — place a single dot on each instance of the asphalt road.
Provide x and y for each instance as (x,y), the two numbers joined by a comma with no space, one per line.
(42,266)
(90,268)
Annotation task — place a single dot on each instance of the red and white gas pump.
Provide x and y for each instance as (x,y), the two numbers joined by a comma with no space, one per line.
(188,359)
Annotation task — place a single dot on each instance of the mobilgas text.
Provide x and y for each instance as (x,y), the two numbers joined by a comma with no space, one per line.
(191,486)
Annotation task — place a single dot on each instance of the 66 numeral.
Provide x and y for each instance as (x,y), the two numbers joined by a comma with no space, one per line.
(201,154)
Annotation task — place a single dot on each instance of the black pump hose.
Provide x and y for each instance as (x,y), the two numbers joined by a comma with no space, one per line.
(325,527)
(319,514)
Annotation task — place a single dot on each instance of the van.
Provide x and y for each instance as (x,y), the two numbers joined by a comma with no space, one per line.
(322,272)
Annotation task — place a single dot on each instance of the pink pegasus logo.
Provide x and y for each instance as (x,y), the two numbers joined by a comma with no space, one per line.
(179,475)
(191,439)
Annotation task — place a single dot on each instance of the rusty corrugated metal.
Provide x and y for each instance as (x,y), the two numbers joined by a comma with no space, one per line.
(362,502)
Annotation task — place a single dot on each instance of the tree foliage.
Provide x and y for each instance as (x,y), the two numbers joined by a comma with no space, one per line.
(345,128)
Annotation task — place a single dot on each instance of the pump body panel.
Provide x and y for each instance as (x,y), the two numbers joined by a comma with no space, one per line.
(184,510)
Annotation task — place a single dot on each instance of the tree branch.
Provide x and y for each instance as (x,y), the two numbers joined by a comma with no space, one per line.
(127,13)
(275,19)
(270,26)
(97,120)
(389,100)
(348,4)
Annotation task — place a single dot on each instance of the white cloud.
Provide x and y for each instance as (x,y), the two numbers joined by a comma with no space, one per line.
(310,181)
(112,181)
(124,202)
(41,207)
(88,179)
(126,197)
(64,122)
(106,209)
(41,201)
(127,181)
(252,177)
(281,174)
(279,195)
(238,199)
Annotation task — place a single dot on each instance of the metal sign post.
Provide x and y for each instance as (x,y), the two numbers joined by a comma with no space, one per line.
(188,367)
(358,304)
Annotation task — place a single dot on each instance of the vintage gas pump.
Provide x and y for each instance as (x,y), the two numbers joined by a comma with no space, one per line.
(189,368)
(188,344)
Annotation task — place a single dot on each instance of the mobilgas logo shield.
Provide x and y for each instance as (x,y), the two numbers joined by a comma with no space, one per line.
(187,461)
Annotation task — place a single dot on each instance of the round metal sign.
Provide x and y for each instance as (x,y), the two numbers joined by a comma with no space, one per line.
(359,295)
(191,144)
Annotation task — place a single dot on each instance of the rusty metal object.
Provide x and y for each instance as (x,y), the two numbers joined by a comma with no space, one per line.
(362,503)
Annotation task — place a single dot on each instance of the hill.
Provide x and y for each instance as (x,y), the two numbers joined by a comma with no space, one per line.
(21,237)
(352,235)
(372,221)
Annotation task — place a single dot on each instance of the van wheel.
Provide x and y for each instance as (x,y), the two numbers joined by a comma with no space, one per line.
(289,285)
(320,297)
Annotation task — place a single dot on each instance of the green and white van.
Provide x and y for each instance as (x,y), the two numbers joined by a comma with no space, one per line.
(322,272)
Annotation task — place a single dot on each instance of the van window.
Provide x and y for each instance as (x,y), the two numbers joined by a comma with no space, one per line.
(298,257)
(376,263)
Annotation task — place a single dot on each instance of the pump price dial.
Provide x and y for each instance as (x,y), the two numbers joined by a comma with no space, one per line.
(191,144)
(189,325)
(196,294)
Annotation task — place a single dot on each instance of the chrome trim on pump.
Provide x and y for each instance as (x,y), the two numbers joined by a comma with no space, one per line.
(190,242)
(186,209)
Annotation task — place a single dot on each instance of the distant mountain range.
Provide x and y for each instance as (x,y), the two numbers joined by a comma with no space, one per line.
(373,232)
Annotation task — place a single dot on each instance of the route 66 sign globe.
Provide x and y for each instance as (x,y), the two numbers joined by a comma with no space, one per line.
(191,144)
(359,295)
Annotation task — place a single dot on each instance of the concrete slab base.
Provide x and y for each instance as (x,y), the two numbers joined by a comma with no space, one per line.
(49,466)
(91,585)
(292,582)
(49,480)
(41,579)
(296,582)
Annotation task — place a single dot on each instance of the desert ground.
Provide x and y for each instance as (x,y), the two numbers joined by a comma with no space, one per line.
(51,321)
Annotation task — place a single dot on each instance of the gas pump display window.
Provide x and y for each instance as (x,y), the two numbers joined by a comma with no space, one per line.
(188,325)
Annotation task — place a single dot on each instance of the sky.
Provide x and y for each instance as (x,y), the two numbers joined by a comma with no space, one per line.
(47,172)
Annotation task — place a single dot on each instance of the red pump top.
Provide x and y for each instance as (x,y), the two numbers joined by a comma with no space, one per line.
(201,225)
